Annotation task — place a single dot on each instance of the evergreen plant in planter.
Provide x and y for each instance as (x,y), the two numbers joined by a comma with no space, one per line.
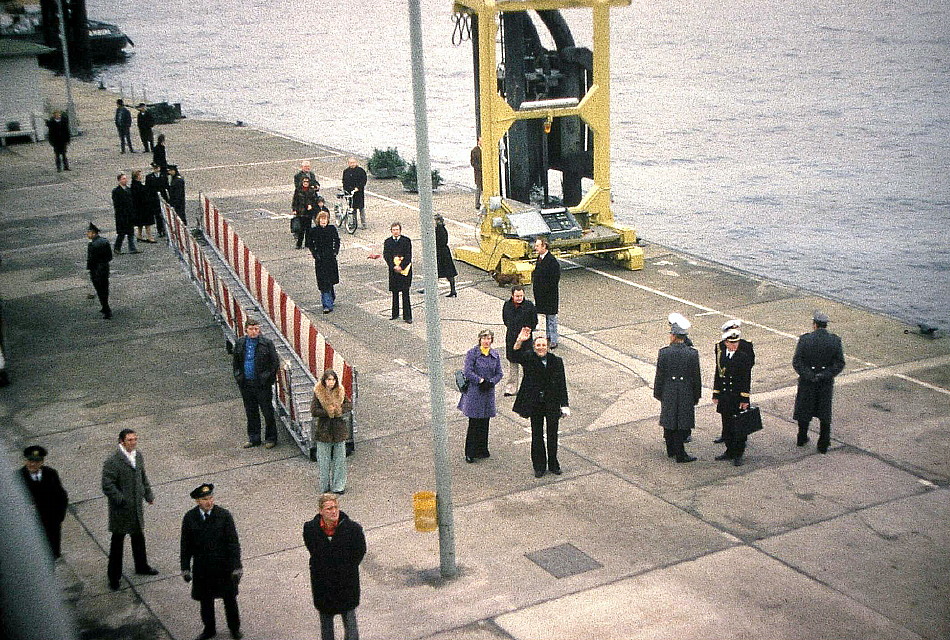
(386,164)
(410,179)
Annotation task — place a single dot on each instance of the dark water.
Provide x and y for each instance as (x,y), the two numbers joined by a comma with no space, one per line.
(805,142)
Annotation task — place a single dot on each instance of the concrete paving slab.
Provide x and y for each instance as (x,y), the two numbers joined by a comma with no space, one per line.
(891,558)
(119,615)
(798,494)
(737,593)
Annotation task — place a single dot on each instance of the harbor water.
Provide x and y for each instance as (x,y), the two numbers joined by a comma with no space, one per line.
(804,142)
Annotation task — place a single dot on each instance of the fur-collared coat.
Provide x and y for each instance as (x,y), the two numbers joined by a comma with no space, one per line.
(329,409)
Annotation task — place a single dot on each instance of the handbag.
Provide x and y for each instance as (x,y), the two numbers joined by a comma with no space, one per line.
(749,421)
(296,225)
(461,381)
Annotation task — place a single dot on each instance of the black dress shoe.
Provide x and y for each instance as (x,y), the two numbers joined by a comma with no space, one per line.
(556,471)
(822,448)
(394,317)
(738,461)
(719,440)
(114,586)
(469,459)
(147,571)
(236,634)
(408,320)
(686,458)
(724,456)
(538,474)
(205,635)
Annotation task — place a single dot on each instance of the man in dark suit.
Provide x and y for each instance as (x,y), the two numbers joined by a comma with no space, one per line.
(211,556)
(125,485)
(145,122)
(517,313)
(98,257)
(48,494)
(819,357)
(156,186)
(354,182)
(546,279)
(678,387)
(732,384)
(255,371)
(58,135)
(541,398)
(397,252)
(123,124)
(124,208)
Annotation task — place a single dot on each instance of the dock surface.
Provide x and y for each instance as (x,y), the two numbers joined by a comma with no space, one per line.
(625,544)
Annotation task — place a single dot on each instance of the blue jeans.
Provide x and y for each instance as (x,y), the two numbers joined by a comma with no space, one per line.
(350,631)
(331,460)
(550,325)
(328,298)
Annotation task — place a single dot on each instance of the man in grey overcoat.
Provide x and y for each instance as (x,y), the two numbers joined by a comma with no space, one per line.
(819,357)
(678,387)
(126,485)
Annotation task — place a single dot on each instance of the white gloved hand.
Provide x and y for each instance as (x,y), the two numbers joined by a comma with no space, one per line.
(565,411)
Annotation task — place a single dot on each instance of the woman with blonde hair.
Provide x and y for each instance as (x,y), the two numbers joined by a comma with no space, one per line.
(331,428)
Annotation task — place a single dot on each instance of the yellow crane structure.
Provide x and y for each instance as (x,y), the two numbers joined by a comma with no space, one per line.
(508,227)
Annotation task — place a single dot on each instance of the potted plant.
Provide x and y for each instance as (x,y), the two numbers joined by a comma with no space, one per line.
(410,181)
(386,164)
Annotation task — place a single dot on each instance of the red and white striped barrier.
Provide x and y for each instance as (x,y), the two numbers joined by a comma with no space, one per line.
(301,334)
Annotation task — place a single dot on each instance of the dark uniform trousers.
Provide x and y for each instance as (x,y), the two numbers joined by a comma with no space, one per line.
(231,613)
(116,549)
(675,441)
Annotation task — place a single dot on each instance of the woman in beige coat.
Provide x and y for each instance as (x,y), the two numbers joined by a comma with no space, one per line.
(331,428)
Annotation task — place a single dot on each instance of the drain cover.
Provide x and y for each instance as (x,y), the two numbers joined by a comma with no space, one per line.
(563,560)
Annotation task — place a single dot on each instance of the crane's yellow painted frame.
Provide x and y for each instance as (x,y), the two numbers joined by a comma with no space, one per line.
(502,254)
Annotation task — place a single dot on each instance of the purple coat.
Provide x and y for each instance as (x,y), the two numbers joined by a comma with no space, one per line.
(479,402)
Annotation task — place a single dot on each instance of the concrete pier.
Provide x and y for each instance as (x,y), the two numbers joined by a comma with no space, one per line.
(626,544)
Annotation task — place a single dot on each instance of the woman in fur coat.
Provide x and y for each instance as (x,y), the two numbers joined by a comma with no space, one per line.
(330,409)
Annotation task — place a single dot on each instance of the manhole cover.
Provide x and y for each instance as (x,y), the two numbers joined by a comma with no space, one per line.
(563,560)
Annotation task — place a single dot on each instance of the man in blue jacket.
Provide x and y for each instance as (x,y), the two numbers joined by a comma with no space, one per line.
(255,371)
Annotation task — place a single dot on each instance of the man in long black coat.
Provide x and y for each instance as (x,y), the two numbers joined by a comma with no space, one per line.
(541,398)
(678,386)
(124,207)
(545,281)
(354,182)
(176,192)
(145,122)
(156,186)
(397,252)
(211,556)
(98,257)
(517,313)
(58,135)
(819,357)
(48,494)
(255,362)
(337,546)
(123,124)
(732,385)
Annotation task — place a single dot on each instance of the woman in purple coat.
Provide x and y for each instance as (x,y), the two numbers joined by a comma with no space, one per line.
(483,372)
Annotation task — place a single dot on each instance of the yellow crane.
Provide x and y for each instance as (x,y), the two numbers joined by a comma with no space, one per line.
(529,86)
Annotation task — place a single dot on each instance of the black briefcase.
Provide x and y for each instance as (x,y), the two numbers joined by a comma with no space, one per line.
(749,421)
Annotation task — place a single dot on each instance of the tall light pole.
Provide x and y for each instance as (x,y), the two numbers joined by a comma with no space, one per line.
(443,474)
(70,107)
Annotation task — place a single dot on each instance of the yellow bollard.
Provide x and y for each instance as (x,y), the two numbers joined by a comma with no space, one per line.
(423,503)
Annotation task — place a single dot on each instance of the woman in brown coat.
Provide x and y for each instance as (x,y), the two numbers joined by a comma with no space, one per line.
(330,409)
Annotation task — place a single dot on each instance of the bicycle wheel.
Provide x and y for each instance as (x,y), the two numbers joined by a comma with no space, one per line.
(350,221)
(338,215)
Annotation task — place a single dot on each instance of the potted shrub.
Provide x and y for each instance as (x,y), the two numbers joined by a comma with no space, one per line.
(410,181)
(386,164)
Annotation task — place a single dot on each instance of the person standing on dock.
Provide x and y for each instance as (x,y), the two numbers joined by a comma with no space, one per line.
(176,193)
(732,383)
(123,124)
(58,135)
(476,161)
(98,257)
(124,207)
(546,279)
(443,255)
(354,182)
(397,252)
(211,556)
(305,172)
(678,386)
(323,240)
(542,399)
(156,187)
(517,313)
(819,357)
(304,208)
(159,155)
(49,496)
(255,365)
(145,121)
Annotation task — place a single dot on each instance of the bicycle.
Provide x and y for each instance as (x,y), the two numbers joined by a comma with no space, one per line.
(345,213)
